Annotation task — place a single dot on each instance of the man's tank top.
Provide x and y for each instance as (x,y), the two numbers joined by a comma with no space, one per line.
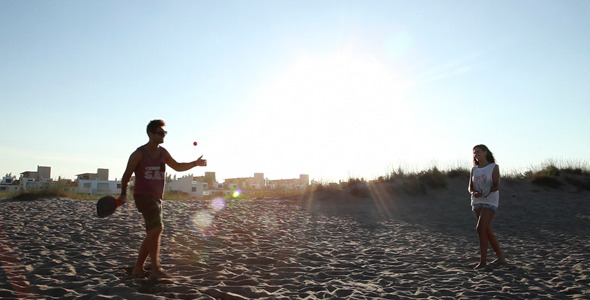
(150,174)
(482,181)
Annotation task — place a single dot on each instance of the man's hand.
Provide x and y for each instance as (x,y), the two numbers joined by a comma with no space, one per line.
(200,162)
(122,198)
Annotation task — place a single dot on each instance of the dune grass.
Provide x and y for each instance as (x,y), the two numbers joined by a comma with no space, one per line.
(54,192)
(555,175)
(411,182)
(551,174)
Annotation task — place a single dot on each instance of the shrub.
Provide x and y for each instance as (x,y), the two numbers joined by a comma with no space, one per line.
(549,171)
(413,186)
(580,185)
(548,181)
(433,178)
(396,174)
(459,172)
(576,171)
(547,177)
(43,193)
(358,187)
(177,195)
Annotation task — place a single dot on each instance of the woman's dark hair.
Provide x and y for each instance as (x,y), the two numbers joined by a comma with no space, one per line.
(489,157)
(155,124)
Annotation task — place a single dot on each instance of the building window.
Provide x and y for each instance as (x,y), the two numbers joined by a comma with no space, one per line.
(87,185)
(194,189)
(102,187)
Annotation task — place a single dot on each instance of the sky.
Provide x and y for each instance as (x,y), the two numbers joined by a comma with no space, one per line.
(332,89)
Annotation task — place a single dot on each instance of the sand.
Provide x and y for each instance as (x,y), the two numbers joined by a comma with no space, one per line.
(384,245)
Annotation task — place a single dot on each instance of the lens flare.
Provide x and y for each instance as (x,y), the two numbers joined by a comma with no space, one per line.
(202,220)
(218,204)
(237,193)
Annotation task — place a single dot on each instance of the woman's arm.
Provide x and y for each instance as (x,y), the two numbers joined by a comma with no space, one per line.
(495,179)
(470,188)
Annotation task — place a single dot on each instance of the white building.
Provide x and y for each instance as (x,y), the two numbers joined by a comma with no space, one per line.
(189,184)
(300,183)
(98,183)
(256,182)
(43,174)
(31,180)
(99,187)
(9,184)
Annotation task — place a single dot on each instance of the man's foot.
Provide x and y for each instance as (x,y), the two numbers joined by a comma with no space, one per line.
(139,273)
(158,274)
(499,261)
(480,266)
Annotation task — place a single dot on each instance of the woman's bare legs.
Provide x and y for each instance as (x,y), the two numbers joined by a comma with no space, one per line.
(496,246)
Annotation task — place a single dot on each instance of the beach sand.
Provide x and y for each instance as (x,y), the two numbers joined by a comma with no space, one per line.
(382,244)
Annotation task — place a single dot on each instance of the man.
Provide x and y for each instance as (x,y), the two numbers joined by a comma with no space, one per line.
(149,164)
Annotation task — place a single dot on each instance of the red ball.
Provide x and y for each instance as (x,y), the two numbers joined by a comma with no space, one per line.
(195,143)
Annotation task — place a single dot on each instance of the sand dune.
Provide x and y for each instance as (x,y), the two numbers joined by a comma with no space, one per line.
(387,245)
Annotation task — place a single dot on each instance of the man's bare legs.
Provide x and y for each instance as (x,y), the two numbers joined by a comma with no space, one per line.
(150,247)
(486,235)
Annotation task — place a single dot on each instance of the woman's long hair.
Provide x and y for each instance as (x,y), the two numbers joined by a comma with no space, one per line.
(489,157)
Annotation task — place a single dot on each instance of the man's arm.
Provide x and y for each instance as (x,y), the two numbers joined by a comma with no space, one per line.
(132,164)
(179,167)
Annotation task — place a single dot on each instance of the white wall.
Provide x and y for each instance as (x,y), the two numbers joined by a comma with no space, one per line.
(187,185)
(99,187)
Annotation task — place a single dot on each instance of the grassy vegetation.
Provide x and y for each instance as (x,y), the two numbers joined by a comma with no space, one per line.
(556,175)
(553,168)
(58,192)
(172,195)
(55,192)
(412,182)
(579,184)
(550,174)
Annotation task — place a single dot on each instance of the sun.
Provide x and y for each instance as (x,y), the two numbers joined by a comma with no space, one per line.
(339,87)
(327,101)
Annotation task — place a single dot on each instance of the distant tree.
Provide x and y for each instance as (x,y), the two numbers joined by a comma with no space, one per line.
(169,178)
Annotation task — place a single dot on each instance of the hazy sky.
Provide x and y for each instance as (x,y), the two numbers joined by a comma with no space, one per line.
(327,88)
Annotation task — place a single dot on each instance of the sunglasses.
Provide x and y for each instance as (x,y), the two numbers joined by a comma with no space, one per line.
(162,133)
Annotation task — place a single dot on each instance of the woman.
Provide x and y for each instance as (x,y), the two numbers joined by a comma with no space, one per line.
(484,184)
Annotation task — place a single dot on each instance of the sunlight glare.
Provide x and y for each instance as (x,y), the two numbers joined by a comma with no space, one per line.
(346,101)
(218,203)
(202,221)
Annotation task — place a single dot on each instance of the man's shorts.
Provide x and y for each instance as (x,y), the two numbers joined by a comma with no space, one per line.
(479,206)
(151,209)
